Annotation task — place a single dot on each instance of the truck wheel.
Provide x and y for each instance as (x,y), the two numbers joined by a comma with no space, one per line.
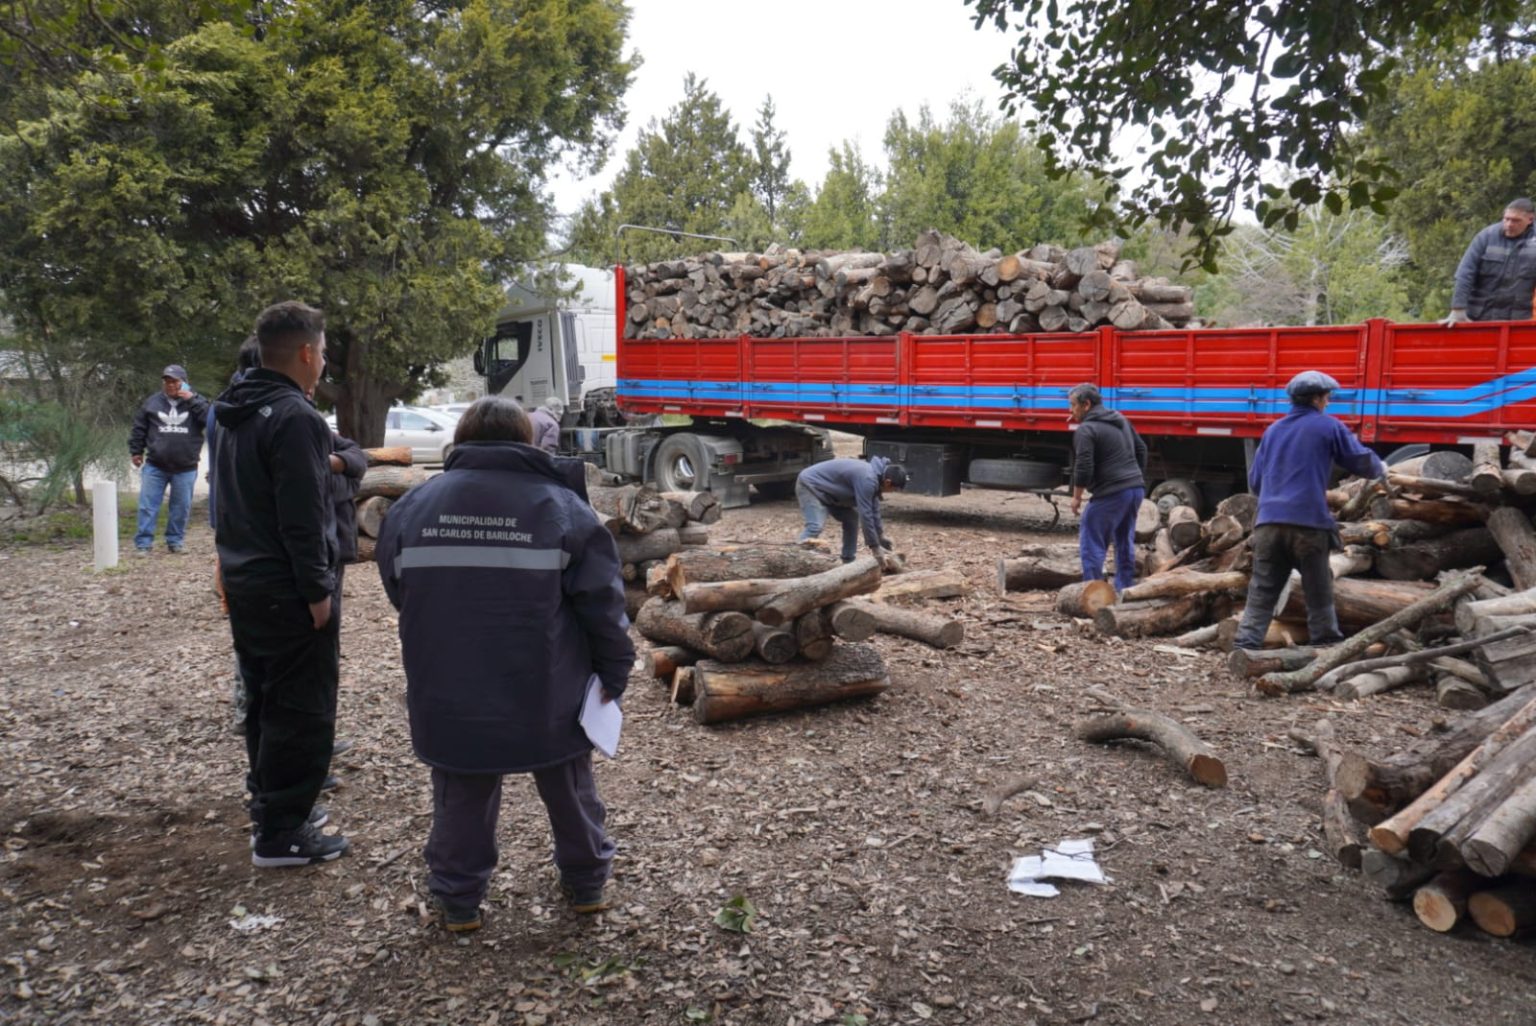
(1178,491)
(682,464)
(1022,474)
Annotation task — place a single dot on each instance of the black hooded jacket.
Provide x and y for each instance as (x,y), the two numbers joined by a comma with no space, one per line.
(169,432)
(275,524)
(1110,456)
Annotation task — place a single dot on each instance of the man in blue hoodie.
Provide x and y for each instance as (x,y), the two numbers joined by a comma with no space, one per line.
(511,603)
(275,527)
(1294,529)
(166,444)
(850,491)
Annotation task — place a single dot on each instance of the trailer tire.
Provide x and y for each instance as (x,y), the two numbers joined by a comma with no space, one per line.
(682,464)
(1021,474)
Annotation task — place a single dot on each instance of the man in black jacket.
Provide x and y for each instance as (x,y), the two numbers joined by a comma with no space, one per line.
(1110,462)
(511,606)
(165,444)
(276,534)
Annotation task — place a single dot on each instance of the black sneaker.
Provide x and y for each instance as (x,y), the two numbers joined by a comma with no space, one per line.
(341,748)
(301,847)
(319,816)
(586,900)
(458,918)
(331,783)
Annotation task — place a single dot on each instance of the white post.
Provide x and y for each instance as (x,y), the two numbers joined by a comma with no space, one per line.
(104,523)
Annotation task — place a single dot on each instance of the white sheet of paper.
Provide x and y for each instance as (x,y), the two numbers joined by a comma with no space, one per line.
(601,721)
(1070,860)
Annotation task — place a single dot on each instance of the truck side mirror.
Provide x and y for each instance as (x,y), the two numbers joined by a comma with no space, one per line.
(480,358)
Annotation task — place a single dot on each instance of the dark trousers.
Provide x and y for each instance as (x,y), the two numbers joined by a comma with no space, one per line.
(290,673)
(1277,550)
(461,851)
(1110,520)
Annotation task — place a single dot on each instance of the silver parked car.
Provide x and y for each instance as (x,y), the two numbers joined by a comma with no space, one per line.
(429,433)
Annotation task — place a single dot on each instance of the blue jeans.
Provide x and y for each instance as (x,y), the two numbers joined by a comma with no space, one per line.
(152,485)
(1110,520)
(816,512)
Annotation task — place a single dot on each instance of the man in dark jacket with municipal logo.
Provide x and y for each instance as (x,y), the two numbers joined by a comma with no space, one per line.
(1110,464)
(275,526)
(165,444)
(510,602)
(1294,529)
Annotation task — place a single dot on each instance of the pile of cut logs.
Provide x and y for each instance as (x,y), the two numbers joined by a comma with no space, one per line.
(1454,817)
(1410,615)
(389,476)
(649,526)
(941,286)
(743,630)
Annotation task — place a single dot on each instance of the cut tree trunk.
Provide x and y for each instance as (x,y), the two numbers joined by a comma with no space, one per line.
(774,644)
(662,661)
(1504,834)
(726,692)
(1504,911)
(634,509)
(638,548)
(1422,560)
(1183,526)
(1085,598)
(1443,466)
(1150,618)
(391,482)
(1487,475)
(723,636)
(1250,663)
(1374,682)
(1037,573)
(1443,512)
(700,506)
(692,534)
(937,631)
(1345,837)
(1361,601)
(1399,877)
(850,621)
(683,689)
(1451,692)
(1222,533)
(1242,506)
(1516,538)
(744,595)
(370,514)
(392,456)
(813,634)
(1437,838)
(1442,903)
(745,562)
(1148,519)
(1184,582)
(1382,533)
(922,584)
(860,577)
(1178,742)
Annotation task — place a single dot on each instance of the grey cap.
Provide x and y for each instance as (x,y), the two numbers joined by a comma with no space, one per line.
(1309,383)
(176,371)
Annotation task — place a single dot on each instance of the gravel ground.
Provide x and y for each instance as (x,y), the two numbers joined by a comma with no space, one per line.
(856,831)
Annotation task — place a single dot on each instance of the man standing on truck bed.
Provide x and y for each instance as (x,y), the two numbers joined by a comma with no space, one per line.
(1109,461)
(850,490)
(1497,275)
(1294,529)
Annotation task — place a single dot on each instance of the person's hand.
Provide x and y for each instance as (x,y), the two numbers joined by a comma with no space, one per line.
(336,465)
(1077,505)
(138,460)
(320,612)
(889,563)
(185,393)
(1456,317)
(609,696)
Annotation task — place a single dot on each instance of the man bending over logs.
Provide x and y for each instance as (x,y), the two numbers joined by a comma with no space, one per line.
(850,490)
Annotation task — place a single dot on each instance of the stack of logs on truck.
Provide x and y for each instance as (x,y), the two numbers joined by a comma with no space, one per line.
(940,286)
(1435,585)
(742,630)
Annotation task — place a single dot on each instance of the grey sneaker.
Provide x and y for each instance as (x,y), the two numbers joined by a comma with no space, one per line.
(586,900)
(302,847)
(319,816)
(177,549)
(140,552)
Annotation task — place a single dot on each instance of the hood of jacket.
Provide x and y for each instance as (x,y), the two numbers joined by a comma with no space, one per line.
(520,458)
(245,398)
(1105,416)
(878,465)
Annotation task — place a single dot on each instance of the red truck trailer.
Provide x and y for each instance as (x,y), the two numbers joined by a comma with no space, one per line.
(990,410)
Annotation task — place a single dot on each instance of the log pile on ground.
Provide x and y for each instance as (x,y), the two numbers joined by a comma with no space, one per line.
(748,629)
(941,286)
(1449,822)
(650,526)
(389,476)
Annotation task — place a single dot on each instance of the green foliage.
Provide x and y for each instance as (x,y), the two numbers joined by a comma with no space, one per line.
(737,915)
(846,211)
(1221,93)
(684,173)
(978,178)
(1333,269)
(384,161)
(1463,137)
(770,155)
(46,450)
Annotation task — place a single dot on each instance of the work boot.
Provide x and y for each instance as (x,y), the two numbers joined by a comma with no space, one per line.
(458,918)
(586,900)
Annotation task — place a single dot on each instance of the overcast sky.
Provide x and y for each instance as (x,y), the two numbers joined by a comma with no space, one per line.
(836,70)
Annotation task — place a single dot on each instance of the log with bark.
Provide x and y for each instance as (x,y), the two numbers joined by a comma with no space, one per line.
(700,506)
(1344,834)
(639,548)
(1399,877)
(662,661)
(370,514)
(1507,910)
(723,636)
(1422,560)
(1487,473)
(774,644)
(732,691)
(389,481)
(936,631)
(801,594)
(1178,743)
(731,563)
(1176,583)
(634,509)
(1084,598)
(388,456)
(922,584)
(1446,465)
(813,634)
(1148,519)
(1044,569)
(683,690)
(1361,601)
(1150,618)
(1512,531)
(691,534)
(1183,526)
(1504,833)
(1438,836)
(1245,662)
(850,621)
(1441,903)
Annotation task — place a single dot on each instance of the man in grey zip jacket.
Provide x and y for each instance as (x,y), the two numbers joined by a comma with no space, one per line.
(849,490)
(1497,275)
(1110,463)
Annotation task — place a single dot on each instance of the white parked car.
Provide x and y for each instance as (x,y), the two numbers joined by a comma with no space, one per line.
(453,409)
(429,433)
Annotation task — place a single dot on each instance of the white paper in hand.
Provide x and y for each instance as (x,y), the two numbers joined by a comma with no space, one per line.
(601,720)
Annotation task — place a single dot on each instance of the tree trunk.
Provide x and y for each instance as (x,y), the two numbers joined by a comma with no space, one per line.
(637,548)
(731,692)
(1151,618)
(1399,877)
(745,562)
(1183,527)
(1422,560)
(1179,744)
(1442,903)
(1451,692)
(1148,519)
(850,621)
(805,593)
(1085,598)
(1511,529)
(393,456)
(683,685)
(370,514)
(1243,506)
(1382,533)
(661,661)
(1037,573)
(1504,911)
(936,631)
(1184,582)
(1444,466)
(1444,512)
(1504,834)
(922,584)
(744,595)
(700,506)
(1345,837)
(391,482)
(774,644)
(1487,475)
(1374,682)
(1361,601)
(634,509)
(1222,533)
(1245,662)
(1437,838)
(723,636)
(362,402)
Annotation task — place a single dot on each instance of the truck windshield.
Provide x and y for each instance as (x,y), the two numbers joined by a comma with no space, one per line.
(505,352)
